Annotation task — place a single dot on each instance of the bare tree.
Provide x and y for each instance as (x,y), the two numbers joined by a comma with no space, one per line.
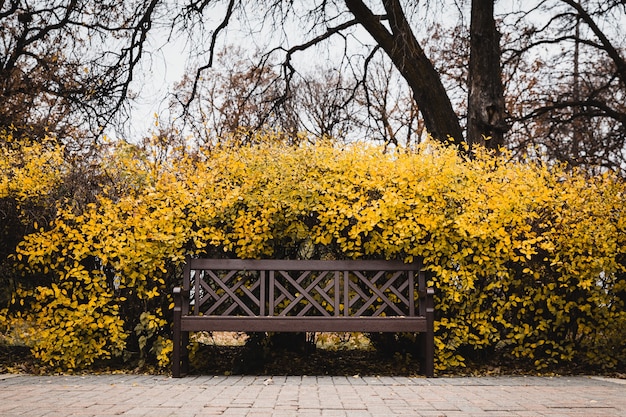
(91,52)
(486,122)
(241,98)
(567,82)
(390,113)
(74,64)
(68,65)
(407,54)
(232,101)
(390,30)
(325,105)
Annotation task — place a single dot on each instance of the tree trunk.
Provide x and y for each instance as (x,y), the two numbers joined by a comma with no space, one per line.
(486,118)
(409,58)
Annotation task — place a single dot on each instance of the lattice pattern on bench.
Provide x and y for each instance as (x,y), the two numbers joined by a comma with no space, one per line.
(341,292)
(227,293)
(303,295)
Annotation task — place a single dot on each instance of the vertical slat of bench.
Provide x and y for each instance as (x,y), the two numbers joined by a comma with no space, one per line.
(337,298)
(263,279)
(411,293)
(186,286)
(346,293)
(197,277)
(421,285)
(272,307)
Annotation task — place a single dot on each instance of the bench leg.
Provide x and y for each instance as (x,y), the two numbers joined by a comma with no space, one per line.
(428,349)
(180,354)
(427,339)
(180,338)
(176,339)
(423,358)
(426,343)
(184,356)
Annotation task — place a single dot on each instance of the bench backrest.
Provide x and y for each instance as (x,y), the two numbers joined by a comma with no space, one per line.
(325,288)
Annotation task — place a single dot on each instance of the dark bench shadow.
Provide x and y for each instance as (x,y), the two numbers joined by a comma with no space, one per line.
(237,360)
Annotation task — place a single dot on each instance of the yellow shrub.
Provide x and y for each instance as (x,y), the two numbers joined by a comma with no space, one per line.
(30,170)
(527,260)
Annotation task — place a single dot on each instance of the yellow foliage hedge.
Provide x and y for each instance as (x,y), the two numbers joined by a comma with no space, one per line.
(528,260)
(29,170)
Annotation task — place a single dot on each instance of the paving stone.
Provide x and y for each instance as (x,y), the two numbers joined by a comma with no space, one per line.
(310,396)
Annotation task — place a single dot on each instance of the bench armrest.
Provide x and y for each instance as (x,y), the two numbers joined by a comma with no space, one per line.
(181,300)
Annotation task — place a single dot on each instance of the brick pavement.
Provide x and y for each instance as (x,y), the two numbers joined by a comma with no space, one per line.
(250,396)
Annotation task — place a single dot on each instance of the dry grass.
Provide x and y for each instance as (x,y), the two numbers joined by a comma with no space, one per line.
(221,338)
(326,341)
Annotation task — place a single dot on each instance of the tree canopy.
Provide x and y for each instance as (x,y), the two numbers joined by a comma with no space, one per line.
(545,77)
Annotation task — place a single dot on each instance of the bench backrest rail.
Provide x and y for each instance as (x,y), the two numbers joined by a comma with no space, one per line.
(258,288)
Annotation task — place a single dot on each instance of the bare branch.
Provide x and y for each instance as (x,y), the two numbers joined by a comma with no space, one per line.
(214,36)
(613,53)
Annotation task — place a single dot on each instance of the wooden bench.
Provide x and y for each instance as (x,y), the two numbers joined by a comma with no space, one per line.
(302,296)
